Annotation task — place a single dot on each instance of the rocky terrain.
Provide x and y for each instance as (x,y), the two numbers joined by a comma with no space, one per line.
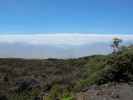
(121,91)
(97,77)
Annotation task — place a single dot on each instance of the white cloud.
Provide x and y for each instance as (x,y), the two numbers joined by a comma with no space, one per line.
(57,45)
(62,38)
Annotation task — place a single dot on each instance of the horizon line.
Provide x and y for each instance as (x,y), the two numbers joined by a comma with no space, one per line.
(45,33)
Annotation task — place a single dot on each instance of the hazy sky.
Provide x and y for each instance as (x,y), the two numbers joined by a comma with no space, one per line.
(46,16)
(63,28)
(59,45)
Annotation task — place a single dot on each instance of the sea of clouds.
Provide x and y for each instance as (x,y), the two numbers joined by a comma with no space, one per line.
(58,45)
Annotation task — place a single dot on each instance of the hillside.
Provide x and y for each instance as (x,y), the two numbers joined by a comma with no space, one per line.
(59,79)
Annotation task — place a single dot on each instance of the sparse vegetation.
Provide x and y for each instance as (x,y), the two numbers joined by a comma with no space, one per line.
(58,79)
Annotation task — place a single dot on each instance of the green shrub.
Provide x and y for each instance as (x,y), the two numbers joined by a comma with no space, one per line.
(55,93)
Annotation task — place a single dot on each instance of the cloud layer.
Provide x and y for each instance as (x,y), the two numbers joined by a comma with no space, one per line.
(66,38)
(57,45)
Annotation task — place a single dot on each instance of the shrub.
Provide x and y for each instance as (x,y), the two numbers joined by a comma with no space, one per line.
(55,93)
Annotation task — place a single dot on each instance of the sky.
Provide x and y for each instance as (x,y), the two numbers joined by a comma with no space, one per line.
(58,45)
(63,28)
(66,16)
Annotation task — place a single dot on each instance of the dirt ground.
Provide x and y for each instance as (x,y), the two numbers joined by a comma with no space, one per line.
(121,91)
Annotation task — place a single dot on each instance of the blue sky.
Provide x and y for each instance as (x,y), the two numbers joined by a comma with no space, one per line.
(78,27)
(59,16)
